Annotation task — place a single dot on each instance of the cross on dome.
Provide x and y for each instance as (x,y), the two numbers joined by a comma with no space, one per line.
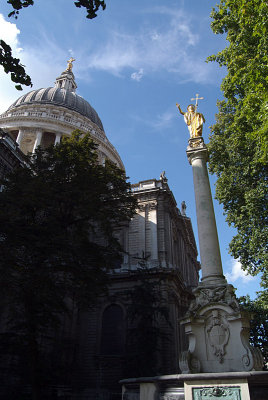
(70,64)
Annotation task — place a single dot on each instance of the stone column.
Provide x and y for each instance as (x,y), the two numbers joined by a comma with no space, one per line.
(38,139)
(217,329)
(20,136)
(57,138)
(207,230)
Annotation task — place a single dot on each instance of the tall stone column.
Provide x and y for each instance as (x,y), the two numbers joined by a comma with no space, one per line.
(217,329)
(207,229)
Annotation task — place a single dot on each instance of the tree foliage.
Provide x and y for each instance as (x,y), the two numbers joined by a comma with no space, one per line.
(146,313)
(238,140)
(13,65)
(258,309)
(57,245)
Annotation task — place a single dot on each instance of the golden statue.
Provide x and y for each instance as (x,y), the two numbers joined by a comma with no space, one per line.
(70,64)
(193,119)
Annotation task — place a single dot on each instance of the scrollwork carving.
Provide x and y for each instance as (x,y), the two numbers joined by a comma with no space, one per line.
(188,363)
(142,207)
(218,334)
(152,206)
(220,294)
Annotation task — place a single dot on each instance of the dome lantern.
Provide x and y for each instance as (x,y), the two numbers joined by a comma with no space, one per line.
(66,79)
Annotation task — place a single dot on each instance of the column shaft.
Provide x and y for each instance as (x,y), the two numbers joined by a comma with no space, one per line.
(19,137)
(57,138)
(207,231)
(38,139)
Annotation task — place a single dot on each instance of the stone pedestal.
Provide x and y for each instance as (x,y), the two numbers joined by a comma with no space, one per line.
(218,331)
(227,386)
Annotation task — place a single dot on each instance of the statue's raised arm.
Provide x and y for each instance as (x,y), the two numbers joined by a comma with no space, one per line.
(180,110)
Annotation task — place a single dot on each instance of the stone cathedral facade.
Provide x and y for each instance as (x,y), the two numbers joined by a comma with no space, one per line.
(159,246)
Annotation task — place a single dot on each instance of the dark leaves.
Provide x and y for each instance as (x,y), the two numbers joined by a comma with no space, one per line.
(12,65)
(18,5)
(92,6)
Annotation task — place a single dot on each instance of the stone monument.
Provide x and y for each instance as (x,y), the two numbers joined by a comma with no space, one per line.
(219,362)
(217,329)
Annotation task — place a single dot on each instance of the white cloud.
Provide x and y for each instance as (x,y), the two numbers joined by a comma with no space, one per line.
(37,61)
(169,47)
(236,273)
(137,76)
(9,32)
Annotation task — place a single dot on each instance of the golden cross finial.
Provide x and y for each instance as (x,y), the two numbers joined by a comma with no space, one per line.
(70,64)
(196,100)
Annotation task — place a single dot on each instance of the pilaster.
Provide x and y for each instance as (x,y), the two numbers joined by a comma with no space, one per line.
(152,219)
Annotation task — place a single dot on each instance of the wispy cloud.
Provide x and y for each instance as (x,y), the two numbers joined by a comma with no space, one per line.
(137,76)
(168,47)
(163,120)
(163,42)
(236,273)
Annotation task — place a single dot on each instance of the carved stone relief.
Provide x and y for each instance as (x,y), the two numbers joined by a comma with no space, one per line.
(221,294)
(218,333)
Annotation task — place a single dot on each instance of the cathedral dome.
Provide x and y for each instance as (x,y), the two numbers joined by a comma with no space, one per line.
(43,116)
(60,97)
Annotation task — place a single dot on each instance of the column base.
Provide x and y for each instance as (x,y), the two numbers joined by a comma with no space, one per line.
(218,333)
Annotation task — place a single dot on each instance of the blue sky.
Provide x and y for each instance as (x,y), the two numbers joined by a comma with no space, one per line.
(133,63)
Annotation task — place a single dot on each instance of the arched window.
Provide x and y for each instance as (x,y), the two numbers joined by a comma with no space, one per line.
(112,331)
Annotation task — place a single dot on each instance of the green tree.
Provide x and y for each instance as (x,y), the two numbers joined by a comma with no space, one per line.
(238,140)
(258,309)
(146,313)
(57,246)
(11,64)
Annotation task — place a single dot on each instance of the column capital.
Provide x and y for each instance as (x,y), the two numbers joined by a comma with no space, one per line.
(196,149)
